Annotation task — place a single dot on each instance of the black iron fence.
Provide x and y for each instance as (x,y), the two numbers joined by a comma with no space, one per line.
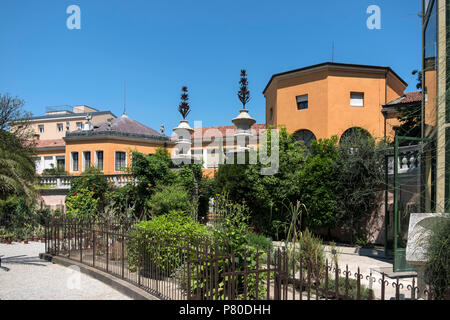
(205,269)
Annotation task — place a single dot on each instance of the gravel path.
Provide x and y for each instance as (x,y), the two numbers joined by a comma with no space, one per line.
(23,276)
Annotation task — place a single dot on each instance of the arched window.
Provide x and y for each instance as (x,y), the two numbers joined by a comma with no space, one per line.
(355,132)
(306,136)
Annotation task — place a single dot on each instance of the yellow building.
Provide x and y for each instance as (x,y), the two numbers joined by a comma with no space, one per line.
(108,146)
(328,99)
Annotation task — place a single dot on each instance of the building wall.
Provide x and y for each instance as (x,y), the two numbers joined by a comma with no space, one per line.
(109,147)
(329,112)
(51,125)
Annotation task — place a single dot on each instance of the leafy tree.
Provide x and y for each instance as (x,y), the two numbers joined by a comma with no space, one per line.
(317,184)
(15,119)
(17,172)
(359,180)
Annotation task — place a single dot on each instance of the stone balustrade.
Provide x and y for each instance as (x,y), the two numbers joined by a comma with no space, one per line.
(63,182)
(408,160)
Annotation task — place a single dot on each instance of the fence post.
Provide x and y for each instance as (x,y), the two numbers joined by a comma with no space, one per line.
(188,271)
(107,248)
(93,246)
(81,243)
(123,256)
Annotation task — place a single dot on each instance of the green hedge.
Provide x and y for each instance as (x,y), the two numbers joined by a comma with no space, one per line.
(161,240)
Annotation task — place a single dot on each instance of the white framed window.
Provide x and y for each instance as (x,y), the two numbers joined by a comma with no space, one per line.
(61,162)
(302,102)
(38,164)
(120,161)
(86,160)
(60,127)
(99,160)
(41,128)
(74,161)
(48,163)
(357,99)
(79,125)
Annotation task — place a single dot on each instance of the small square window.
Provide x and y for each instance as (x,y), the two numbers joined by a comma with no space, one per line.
(60,127)
(302,102)
(357,99)
(41,128)
(79,125)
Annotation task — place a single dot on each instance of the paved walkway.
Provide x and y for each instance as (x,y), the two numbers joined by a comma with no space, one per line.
(23,276)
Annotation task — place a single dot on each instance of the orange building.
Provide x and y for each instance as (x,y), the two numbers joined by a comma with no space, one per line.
(108,146)
(328,99)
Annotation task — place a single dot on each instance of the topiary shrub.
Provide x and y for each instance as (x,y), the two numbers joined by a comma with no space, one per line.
(437,267)
(169,198)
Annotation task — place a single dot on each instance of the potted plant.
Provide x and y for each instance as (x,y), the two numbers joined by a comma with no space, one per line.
(8,237)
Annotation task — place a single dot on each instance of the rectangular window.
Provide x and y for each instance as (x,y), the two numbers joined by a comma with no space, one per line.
(38,165)
(99,160)
(60,127)
(75,161)
(86,160)
(79,125)
(41,128)
(120,163)
(357,99)
(61,162)
(48,163)
(302,102)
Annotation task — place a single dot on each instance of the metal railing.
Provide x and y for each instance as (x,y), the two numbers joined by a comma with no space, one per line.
(175,268)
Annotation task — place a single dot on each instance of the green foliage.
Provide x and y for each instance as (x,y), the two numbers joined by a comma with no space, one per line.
(82,204)
(122,203)
(437,267)
(359,182)
(95,181)
(169,198)
(265,195)
(17,171)
(234,231)
(317,182)
(55,171)
(164,236)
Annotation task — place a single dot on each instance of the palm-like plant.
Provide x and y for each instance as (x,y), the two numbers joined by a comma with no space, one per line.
(244,93)
(17,172)
(184,109)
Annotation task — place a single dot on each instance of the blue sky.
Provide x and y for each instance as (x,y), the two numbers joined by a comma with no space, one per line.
(158,46)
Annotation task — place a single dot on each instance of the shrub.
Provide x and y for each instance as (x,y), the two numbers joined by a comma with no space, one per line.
(169,198)
(82,204)
(437,267)
(95,181)
(164,236)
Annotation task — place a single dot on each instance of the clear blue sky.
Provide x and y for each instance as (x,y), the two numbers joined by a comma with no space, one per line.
(159,46)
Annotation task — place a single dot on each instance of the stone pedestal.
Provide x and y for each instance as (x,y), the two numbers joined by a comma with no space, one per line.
(420,228)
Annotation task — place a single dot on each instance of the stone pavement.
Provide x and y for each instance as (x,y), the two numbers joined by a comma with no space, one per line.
(23,276)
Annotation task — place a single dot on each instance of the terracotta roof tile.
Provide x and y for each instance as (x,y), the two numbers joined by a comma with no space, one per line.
(51,143)
(409,97)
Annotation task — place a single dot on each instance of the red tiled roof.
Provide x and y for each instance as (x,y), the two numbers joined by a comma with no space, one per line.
(409,97)
(51,143)
(222,131)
